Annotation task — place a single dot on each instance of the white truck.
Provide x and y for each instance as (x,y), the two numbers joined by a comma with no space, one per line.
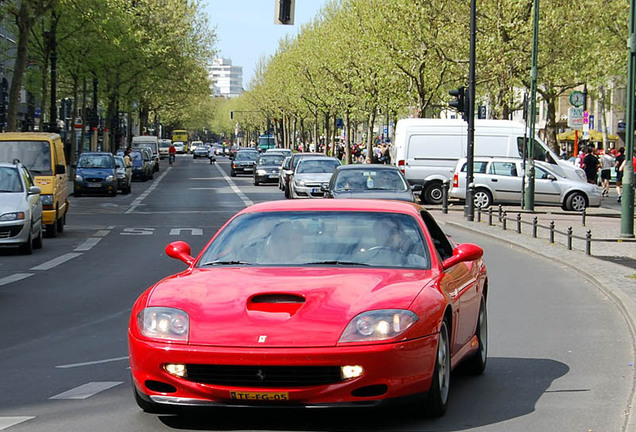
(427,150)
(150,141)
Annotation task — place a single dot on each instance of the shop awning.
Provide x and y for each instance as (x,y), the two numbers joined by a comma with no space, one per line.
(595,136)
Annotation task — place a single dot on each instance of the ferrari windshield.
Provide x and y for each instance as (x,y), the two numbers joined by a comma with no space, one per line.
(320,238)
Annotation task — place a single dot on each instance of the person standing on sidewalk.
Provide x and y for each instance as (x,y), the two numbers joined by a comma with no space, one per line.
(607,162)
(590,165)
(619,165)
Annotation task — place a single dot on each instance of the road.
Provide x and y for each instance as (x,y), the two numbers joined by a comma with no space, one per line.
(560,353)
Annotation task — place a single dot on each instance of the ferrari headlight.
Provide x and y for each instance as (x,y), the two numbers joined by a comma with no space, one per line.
(164,323)
(12,216)
(378,325)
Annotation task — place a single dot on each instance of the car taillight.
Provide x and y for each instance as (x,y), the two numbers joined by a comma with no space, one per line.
(456,180)
(401,164)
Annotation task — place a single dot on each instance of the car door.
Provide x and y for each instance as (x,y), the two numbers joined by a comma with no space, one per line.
(504,179)
(546,187)
(34,199)
(460,285)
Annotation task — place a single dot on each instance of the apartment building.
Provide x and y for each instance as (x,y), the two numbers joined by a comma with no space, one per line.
(227,78)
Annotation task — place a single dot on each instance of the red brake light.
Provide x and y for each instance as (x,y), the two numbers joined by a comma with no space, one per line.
(456,180)
(401,163)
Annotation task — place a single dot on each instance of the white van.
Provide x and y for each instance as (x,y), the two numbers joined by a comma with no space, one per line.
(427,150)
(151,142)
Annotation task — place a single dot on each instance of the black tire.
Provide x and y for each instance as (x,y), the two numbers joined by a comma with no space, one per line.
(52,230)
(60,223)
(576,201)
(38,242)
(482,198)
(256,182)
(437,397)
(476,364)
(77,194)
(128,189)
(113,192)
(286,190)
(433,193)
(232,173)
(26,248)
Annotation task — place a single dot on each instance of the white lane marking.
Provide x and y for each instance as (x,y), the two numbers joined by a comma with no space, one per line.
(7,422)
(56,261)
(88,244)
(74,365)
(235,188)
(14,278)
(103,233)
(137,202)
(87,390)
(193,231)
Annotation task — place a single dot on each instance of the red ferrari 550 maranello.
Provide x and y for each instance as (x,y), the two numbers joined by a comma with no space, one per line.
(313,303)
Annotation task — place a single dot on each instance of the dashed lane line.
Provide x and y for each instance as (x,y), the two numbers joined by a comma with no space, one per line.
(87,390)
(56,261)
(7,422)
(74,365)
(14,278)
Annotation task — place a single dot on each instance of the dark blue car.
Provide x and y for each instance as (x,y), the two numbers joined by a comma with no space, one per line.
(95,172)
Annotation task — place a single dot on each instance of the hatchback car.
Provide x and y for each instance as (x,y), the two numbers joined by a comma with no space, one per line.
(20,208)
(313,303)
(179,147)
(124,175)
(267,167)
(370,181)
(243,162)
(287,173)
(95,173)
(141,164)
(500,181)
(310,175)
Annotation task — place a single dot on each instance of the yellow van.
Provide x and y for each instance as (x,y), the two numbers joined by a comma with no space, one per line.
(43,154)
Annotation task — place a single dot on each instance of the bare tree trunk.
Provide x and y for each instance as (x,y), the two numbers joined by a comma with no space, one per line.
(25,22)
(370,137)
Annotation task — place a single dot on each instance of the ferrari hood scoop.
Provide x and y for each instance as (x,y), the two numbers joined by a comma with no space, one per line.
(277,303)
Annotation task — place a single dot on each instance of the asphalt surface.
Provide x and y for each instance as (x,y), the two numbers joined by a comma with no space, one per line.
(610,265)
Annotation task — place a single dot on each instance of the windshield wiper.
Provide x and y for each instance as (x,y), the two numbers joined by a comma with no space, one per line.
(211,263)
(337,262)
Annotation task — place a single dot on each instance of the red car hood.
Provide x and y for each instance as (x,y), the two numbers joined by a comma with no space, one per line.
(282,307)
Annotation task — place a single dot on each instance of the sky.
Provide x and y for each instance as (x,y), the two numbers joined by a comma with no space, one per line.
(246,31)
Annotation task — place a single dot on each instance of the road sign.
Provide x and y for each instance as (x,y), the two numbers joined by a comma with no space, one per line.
(575,118)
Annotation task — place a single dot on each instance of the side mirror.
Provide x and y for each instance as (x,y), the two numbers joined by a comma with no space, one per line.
(551,177)
(60,169)
(34,190)
(416,188)
(462,253)
(180,250)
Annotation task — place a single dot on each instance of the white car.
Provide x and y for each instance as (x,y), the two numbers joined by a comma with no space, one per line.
(310,175)
(194,145)
(500,181)
(179,147)
(20,208)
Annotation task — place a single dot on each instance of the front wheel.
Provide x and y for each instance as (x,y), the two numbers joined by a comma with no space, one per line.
(437,398)
(576,202)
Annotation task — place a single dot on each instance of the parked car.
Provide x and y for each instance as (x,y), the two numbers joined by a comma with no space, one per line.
(141,164)
(295,157)
(20,208)
(267,168)
(313,303)
(201,151)
(152,143)
(243,162)
(310,175)
(370,181)
(124,175)
(500,181)
(95,173)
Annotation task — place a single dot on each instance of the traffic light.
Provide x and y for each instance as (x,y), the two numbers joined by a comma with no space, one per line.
(284,12)
(461,101)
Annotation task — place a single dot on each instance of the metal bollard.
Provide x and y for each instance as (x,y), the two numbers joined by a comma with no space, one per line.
(583,214)
(505,218)
(535,225)
(588,242)
(519,223)
(445,187)
(500,212)
(478,214)
(489,216)
(569,238)
(551,231)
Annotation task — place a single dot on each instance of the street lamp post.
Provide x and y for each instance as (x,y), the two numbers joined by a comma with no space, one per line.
(627,200)
(529,192)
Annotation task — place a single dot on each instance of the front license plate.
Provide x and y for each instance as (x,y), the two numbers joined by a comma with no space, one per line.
(260,396)
(94,185)
(273,176)
(316,190)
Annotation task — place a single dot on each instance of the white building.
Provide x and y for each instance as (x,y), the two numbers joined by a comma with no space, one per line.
(227,79)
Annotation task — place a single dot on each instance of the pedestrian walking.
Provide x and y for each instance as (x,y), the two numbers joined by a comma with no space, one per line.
(607,163)
(590,165)
(619,166)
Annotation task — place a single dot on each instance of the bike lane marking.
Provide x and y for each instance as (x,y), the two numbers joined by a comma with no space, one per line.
(139,200)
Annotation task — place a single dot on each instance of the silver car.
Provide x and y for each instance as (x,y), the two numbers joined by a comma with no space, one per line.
(500,181)
(370,181)
(20,208)
(310,175)
(124,175)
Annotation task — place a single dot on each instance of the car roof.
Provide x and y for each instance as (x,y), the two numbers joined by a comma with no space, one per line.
(9,165)
(97,153)
(367,166)
(372,205)
(27,136)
